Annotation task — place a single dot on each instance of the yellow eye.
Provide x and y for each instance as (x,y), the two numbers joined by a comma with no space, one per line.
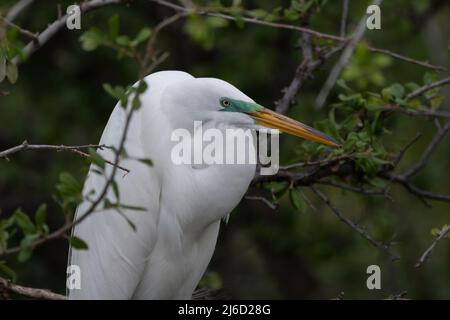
(226,103)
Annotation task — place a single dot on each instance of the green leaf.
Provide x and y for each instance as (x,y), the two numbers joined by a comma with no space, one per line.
(147,162)
(12,72)
(217,22)
(118,92)
(277,187)
(8,271)
(436,102)
(2,68)
(24,254)
(41,215)
(91,39)
(26,246)
(123,40)
(257,13)
(436,231)
(115,189)
(68,186)
(297,200)
(113,26)
(24,222)
(96,158)
(143,35)
(78,243)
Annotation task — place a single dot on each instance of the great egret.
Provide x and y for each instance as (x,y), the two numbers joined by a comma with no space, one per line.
(167,254)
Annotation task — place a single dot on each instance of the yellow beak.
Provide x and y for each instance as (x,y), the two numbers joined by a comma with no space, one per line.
(274,120)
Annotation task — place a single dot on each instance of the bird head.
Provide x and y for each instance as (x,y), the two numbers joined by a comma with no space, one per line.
(271,119)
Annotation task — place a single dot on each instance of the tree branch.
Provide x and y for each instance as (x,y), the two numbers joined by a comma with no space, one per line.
(428,87)
(426,255)
(75,149)
(34,293)
(17,9)
(384,248)
(343,60)
(53,28)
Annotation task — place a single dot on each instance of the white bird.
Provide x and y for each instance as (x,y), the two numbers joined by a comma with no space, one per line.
(167,254)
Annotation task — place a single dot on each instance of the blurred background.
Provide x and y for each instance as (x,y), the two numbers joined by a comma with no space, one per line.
(261,253)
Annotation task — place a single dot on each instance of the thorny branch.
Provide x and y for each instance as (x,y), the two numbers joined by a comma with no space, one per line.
(75,149)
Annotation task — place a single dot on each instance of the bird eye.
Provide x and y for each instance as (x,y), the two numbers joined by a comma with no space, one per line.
(226,103)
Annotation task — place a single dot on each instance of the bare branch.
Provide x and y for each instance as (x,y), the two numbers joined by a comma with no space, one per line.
(384,248)
(405,148)
(304,71)
(204,11)
(424,112)
(53,28)
(17,9)
(428,87)
(343,60)
(21,30)
(344,17)
(34,293)
(61,232)
(360,190)
(440,134)
(268,203)
(426,255)
(407,59)
(75,149)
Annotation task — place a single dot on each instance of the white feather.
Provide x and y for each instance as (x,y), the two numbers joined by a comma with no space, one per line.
(175,238)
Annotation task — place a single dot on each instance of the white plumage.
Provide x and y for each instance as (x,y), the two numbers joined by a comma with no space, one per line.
(175,238)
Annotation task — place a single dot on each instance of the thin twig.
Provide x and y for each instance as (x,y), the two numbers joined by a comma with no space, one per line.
(34,293)
(75,149)
(384,248)
(440,134)
(25,32)
(58,24)
(360,190)
(268,203)
(343,60)
(17,9)
(405,148)
(428,87)
(426,255)
(344,17)
(407,59)
(61,232)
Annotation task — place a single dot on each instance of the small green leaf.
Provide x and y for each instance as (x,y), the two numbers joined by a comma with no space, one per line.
(147,162)
(91,39)
(96,158)
(113,26)
(41,215)
(123,40)
(143,35)
(217,22)
(68,186)
(297,200)
(115,189)
(12,73)
(257,13)
(26,246)
(24,222)
(8,271)
(2,68)
(78,243)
